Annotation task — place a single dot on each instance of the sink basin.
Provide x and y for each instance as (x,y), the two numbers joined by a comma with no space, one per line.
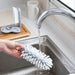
(61,64)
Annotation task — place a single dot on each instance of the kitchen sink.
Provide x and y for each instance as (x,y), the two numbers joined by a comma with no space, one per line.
(10,65)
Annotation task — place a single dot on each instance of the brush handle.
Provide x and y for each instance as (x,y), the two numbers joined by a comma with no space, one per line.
(22,49)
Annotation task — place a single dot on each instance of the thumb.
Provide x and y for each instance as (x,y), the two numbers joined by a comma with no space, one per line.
(17,45)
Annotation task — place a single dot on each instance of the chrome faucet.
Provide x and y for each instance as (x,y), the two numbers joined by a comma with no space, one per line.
(54,12)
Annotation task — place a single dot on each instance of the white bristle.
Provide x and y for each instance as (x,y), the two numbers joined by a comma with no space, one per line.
(37,57)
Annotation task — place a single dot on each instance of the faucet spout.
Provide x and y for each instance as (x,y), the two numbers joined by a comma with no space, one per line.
(54,12)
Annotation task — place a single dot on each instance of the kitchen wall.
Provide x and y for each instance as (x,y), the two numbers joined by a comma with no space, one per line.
(44,4)
(7,4)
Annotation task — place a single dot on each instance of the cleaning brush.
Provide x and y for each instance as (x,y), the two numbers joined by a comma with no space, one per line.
(37,57)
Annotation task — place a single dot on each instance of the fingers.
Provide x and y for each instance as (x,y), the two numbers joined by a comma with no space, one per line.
(14,52)
(18,46)
(18,51)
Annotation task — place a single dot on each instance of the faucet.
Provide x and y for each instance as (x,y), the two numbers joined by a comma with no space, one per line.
(54,12)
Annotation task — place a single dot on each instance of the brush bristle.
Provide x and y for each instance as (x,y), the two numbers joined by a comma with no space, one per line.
(36,57)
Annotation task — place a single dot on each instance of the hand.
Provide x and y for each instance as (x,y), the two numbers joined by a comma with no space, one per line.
(11,48)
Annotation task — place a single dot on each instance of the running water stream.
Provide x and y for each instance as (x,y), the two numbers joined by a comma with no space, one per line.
(39,39)
(41,72)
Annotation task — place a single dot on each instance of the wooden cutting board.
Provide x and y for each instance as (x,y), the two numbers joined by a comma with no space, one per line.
(10,36)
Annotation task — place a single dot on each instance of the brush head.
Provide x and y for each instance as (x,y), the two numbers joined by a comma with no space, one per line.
(36,57)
